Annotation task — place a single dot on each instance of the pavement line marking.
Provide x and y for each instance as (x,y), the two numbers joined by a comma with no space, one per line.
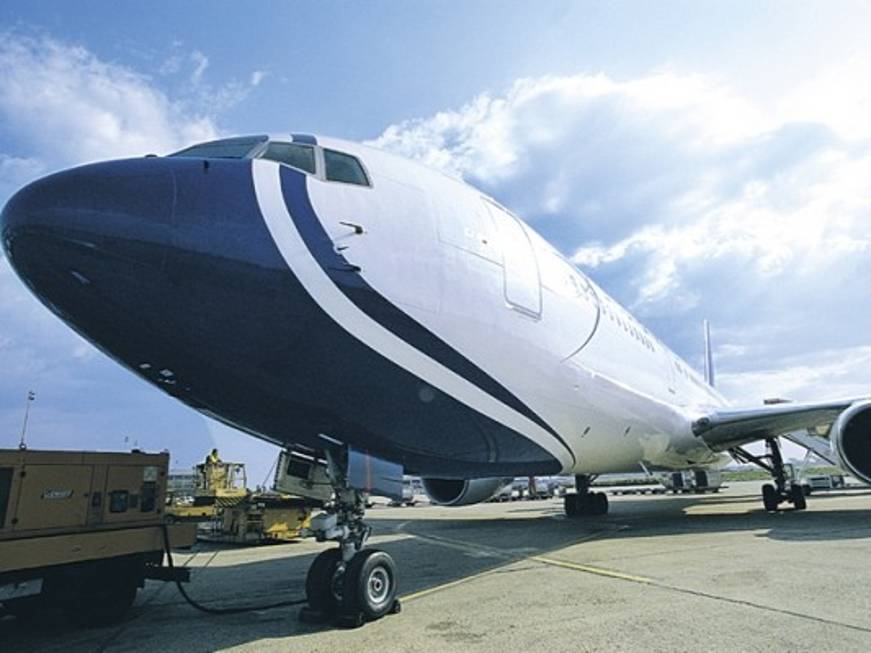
(599,571)
(444,586)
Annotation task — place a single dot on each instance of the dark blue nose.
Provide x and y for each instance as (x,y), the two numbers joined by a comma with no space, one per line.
(86,231)
(94,205)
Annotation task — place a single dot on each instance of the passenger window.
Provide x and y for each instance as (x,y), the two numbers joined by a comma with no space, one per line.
(344,168)
(292,154)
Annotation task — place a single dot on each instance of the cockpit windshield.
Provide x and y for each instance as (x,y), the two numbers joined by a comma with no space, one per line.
(226,148)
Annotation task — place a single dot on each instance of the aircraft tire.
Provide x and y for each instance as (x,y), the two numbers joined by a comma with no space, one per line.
(599,503)
(370,584)
(323,584)
(769,497)
(796,496)
(570,504)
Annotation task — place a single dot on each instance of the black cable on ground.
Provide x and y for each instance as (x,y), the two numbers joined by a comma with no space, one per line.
(204,608)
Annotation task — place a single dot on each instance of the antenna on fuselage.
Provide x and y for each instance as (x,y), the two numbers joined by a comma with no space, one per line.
(709,356)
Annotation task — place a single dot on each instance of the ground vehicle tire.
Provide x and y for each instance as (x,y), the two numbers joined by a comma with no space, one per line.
(323,583)
(370,584)
(796,496)
(105,604)
(27,608)
(769,497)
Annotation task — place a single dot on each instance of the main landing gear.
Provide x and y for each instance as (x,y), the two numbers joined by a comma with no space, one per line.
(348,584)
(584,502)
(783,490)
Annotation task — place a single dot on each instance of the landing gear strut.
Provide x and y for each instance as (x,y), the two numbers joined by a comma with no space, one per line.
(584,502)
(348,583)
(783,490)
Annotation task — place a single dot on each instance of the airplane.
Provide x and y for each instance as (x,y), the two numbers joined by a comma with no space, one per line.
(378,317)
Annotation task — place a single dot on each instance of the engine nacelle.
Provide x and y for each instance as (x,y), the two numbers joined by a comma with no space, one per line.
(851,440)
(455,492)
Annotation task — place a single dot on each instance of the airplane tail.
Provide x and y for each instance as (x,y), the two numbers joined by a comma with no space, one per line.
(709,356)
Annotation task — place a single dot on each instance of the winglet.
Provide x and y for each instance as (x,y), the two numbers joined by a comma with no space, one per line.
(709,356)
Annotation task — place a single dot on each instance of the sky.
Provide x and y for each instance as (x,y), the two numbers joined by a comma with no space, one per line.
(696,159)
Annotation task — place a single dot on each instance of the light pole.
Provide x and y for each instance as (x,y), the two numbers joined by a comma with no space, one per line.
(31,395)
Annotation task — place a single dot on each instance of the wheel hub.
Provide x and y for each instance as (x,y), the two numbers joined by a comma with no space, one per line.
(378,586)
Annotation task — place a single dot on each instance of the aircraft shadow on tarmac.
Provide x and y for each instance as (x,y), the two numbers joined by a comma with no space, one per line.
(429,552)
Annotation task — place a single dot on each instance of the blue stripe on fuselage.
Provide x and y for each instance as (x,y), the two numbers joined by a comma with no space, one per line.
(348,279)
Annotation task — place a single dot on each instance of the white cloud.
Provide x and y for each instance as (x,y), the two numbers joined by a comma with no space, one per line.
(838,96)
(200,63)
(842,373)
(66,106)
(16,171)
(256,77)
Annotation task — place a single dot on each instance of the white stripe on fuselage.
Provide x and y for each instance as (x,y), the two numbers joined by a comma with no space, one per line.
(267,187)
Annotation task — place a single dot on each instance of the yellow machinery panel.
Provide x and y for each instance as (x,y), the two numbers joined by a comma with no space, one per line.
(46,492)
(52,496)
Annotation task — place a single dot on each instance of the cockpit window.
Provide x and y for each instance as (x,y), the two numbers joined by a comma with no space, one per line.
(292,154)
(227,148)
(344,168)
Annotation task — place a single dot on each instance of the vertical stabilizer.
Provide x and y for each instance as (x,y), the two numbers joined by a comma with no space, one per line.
(709,356)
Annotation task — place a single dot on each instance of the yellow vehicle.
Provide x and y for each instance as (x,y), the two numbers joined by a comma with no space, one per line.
(261,518)
(219,485)
(237,515)
(81,531)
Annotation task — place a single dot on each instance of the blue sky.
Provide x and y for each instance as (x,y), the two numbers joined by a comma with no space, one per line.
(697,159)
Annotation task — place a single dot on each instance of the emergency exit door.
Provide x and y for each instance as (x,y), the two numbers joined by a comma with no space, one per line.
(521,283)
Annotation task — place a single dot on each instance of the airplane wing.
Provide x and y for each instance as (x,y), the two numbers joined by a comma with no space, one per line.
(723,429)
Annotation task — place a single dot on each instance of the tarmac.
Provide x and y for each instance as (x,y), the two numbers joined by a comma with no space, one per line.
(658,573)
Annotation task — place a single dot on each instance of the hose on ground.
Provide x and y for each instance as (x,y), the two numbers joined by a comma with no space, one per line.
(207,609)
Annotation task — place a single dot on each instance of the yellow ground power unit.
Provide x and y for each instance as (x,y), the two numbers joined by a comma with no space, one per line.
(81,531)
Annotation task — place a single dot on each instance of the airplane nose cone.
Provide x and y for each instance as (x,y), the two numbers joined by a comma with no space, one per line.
(96,204)
(86,228)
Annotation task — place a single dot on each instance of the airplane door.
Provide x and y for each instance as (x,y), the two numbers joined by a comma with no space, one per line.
(520,268)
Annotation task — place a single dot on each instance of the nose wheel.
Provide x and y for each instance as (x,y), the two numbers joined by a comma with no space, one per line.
(370,585)
(348,584)
(351,593)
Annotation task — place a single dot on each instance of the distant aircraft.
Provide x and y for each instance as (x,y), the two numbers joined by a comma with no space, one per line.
(351,305)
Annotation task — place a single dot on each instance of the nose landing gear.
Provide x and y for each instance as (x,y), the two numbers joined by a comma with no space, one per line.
(348,584)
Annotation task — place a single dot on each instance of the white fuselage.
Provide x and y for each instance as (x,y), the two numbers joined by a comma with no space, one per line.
(498,293)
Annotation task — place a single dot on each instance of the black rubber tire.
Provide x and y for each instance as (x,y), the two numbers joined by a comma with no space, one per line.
(29,608)
(769,497)
(600,503)
(796,497)
(370,584)
(570,504)
(322,586)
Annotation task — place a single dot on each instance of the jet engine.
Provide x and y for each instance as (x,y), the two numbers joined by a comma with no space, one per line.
(456,492)
(851,440)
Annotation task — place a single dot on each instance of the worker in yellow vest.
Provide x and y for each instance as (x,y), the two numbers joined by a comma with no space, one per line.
(213,458)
